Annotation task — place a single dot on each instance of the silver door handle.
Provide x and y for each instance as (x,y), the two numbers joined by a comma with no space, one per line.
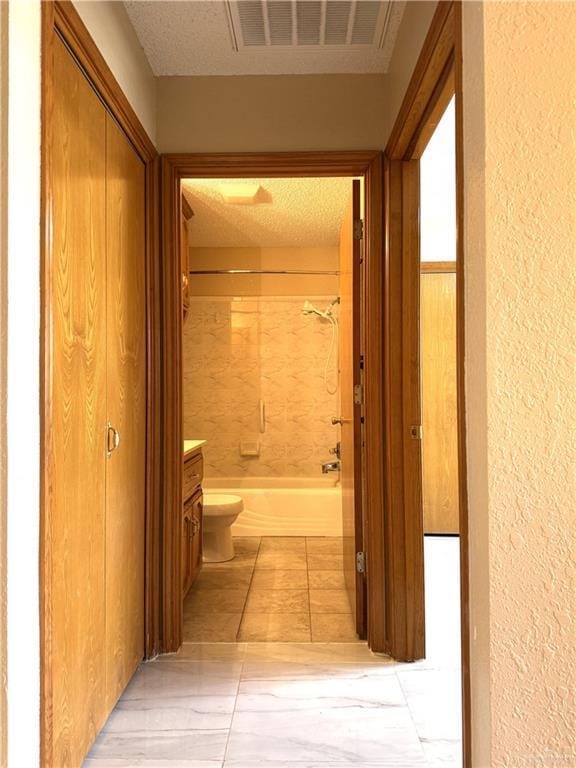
(113,439)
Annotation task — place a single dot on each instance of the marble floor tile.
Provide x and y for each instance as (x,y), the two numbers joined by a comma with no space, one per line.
(326,580)
(303,652)
(282,670)
(329,601)
(214,627)
(282,561)
(325,562)
(201,601)
(275,627)
(277,601)
(124,762)
(320,545)
(344,721)
(206,652)
(275,579)
(433,697)
(333,628)
(223,578)
(194,745)
(176,713)
(158,683)
(283,544)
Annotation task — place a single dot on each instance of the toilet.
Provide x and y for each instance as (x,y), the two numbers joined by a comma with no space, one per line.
(218,513)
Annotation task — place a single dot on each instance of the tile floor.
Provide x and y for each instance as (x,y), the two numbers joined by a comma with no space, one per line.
(287,589)
(296,704)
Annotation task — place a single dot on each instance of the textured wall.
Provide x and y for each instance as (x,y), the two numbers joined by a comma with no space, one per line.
(270,113)
(110,27)
(519,97)
(237,353)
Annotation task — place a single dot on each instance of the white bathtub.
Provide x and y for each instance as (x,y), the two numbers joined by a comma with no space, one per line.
(284,506)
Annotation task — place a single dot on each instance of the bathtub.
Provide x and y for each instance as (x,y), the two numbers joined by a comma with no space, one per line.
(284,506)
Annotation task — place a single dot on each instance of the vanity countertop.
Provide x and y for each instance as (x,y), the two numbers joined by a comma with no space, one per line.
(192,445)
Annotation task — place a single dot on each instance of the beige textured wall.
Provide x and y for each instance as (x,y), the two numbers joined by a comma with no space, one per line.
(110,27)
(270,113)
(411,35)
(3,352)
(264,258)
(520,177)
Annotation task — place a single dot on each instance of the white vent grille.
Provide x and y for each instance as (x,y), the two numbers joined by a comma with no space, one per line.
(309,23)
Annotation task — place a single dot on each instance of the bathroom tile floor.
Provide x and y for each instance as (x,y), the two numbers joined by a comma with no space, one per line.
(277,589)
(296,704)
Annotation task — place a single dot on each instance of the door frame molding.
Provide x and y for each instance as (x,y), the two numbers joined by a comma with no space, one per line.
(174,168)
(436,79)
(60,20)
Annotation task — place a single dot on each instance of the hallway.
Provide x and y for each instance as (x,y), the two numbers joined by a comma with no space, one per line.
(297,705)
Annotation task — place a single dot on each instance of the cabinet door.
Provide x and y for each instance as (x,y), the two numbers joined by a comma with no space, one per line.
(126,393)
(75,672)
(196,543)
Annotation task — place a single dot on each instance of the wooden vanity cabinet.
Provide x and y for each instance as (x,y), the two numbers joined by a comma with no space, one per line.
(191,520)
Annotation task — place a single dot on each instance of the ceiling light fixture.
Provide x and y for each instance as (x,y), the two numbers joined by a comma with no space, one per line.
(240,194)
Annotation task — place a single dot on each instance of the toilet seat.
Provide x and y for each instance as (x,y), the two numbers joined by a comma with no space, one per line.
(222,504)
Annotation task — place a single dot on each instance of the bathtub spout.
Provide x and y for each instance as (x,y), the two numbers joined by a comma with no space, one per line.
(330,466)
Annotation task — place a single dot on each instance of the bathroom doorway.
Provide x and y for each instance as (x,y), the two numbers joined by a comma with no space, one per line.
(272,409)
(317,315)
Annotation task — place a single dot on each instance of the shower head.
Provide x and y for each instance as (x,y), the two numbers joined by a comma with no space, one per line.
(310,309)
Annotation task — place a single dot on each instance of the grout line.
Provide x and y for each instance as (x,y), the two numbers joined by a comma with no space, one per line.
(249,589)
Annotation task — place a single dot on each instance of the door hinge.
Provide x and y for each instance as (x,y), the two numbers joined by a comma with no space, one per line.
(360,562)
(358,229)
(416,432)
(361,362)
(358,394)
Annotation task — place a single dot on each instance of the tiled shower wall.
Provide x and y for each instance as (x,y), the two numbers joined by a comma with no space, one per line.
(239,352)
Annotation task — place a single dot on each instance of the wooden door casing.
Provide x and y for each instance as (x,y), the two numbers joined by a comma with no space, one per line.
(350,411)
(77,382)
(439,402)
(126,397)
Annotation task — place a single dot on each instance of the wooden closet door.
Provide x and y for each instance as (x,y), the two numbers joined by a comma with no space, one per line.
(126,388)
(75,669)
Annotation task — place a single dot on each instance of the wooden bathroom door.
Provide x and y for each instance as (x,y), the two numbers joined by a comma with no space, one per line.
(350,406)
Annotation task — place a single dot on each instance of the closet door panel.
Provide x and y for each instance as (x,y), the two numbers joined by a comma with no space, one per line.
(76,458)
(125,479)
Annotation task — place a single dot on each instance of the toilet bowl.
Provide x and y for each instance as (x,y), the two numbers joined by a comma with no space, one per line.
(219,512)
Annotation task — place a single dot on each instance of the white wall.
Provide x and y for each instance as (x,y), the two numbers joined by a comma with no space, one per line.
(520,259)
(23,427)
(438,192)
(112,31)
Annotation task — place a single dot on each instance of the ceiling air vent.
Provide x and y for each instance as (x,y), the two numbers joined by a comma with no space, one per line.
(311,24)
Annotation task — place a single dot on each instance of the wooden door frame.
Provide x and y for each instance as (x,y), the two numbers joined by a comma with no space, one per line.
(60,20)
(436,78)
(176,167)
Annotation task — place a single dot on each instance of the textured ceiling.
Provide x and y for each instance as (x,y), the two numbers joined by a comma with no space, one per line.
(194,38)
(290,212)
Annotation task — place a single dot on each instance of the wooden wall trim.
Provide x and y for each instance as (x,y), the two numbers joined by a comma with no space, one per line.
(461,398)
(427,84)
(60,18)
(436,79)
(292,164)
(437,266)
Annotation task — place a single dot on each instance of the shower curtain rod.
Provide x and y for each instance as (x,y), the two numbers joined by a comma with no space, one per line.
(262,272)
